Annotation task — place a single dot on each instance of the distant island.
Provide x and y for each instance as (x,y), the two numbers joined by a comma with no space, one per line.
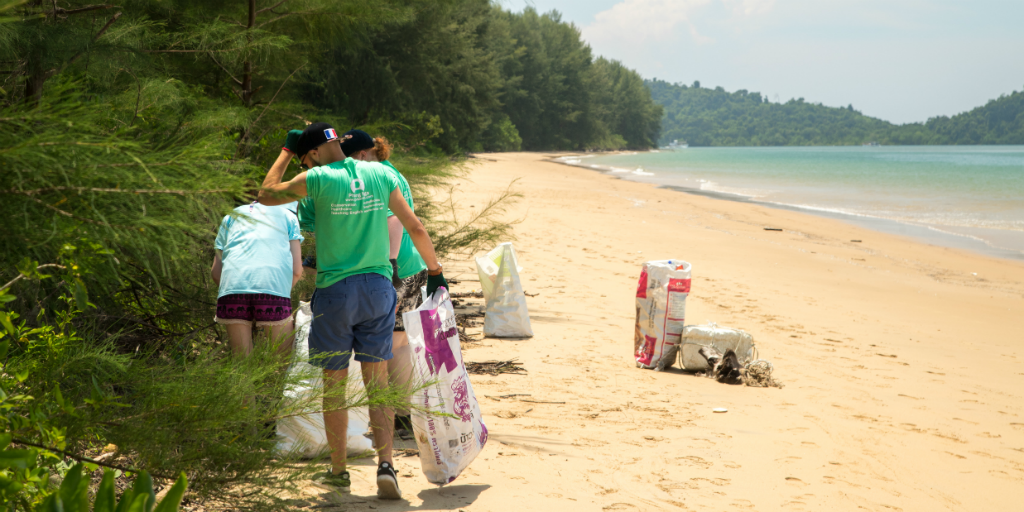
(714,117)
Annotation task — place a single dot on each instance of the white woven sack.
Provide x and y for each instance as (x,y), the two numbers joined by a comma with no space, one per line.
(446,419)
(660,312)
(711,335)
(304,434)
(505,312)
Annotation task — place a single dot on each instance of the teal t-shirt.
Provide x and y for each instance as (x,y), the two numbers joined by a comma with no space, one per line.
(410,262)
(350,207)
(255,250)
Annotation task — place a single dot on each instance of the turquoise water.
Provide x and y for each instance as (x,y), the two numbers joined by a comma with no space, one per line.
(963,196)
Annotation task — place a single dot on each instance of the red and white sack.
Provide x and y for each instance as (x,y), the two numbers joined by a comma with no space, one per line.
(448,443)
(660,312)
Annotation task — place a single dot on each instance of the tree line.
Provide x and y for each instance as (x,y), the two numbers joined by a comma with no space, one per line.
(486,79)
(714,117)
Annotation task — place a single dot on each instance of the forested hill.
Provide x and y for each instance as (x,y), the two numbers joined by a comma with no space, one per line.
(715,117)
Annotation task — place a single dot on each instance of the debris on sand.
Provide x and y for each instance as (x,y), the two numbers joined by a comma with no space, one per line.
(466,321)
(496,367)
(725,368)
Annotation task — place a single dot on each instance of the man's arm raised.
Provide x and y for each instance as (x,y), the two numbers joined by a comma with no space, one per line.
(274,192)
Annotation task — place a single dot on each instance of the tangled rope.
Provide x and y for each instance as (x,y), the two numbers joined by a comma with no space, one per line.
(758,374)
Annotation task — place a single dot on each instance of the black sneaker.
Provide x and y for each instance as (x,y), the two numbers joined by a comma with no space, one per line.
(387,482)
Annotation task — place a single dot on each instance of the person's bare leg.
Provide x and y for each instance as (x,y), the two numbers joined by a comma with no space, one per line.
(382,419)
(240,338)
(400,366)
(336,417)
(284,337)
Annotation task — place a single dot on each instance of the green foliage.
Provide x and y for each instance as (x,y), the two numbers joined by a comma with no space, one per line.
(73,495)
(714,117)
(126,133)
(495,80)
(454,233)
(1000,121)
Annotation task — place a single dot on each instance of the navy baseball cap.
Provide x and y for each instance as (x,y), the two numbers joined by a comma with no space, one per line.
(313,137)
(355,141)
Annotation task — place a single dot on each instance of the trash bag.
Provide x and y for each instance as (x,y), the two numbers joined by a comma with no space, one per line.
(505,311)
(304,434)
(660,311)
(723,339)
(446,419)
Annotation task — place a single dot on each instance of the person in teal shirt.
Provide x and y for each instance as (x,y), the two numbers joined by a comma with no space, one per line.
(255,265)
(409,266)
(354,302)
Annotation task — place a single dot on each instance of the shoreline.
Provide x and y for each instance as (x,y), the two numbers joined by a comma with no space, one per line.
(922,233)
(901,362)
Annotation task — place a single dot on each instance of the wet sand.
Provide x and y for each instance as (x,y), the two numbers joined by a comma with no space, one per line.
(902,363)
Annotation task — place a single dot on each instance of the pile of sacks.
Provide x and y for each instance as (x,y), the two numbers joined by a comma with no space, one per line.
(661,339)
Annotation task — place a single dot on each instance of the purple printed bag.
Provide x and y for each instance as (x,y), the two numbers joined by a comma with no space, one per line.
(446,420)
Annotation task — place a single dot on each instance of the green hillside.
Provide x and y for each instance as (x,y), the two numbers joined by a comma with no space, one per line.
(715,117)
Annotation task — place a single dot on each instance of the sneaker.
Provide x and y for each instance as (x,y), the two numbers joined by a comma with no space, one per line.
(387,482)
(327,480)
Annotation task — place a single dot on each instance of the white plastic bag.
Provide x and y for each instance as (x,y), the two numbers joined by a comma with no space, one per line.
(447,444)
(505,312)
(660,312)
(711,335)
(305,434)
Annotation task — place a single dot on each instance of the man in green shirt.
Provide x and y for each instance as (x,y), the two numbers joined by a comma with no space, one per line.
(410,268)
(354,302)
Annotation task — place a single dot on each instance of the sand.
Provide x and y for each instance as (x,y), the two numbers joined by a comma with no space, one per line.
(902,363)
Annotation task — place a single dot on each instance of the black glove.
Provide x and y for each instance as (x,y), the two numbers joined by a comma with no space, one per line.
(395,280)
(435,282)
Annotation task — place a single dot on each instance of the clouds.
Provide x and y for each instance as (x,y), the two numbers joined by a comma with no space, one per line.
(634,23)
(749,7)
(901,60)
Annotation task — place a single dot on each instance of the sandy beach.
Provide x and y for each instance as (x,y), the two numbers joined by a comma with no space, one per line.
(902,363)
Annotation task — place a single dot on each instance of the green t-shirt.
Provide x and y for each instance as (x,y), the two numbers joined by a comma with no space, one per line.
(307,214)
(410,262)
(350,205)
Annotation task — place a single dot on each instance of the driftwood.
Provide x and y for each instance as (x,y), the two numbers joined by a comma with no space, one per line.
(496,367)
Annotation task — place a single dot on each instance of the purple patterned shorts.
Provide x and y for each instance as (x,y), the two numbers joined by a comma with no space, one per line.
(246,308)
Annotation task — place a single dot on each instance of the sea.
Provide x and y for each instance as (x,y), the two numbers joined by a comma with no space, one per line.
(967,197)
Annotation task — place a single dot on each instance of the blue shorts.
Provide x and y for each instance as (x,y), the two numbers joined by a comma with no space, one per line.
(355,314)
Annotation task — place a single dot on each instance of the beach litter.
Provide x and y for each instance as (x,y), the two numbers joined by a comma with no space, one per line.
(660,311)
(758,374)
(720,409)
(505,309)
(496,367)
(726,355)
(722,339)
(301,432)
(447,444)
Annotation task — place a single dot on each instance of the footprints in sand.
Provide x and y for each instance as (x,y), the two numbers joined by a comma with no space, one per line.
(693,460)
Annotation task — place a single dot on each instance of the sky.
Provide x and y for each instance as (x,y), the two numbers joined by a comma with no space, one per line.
(898,60)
